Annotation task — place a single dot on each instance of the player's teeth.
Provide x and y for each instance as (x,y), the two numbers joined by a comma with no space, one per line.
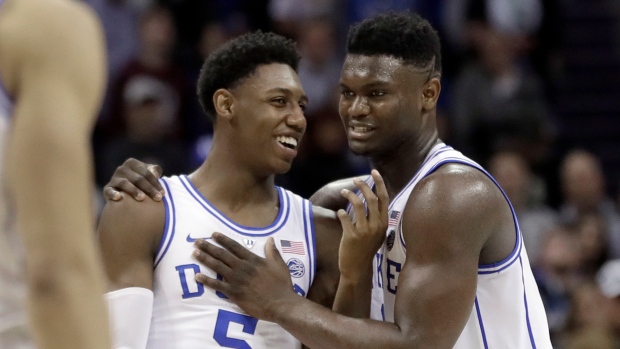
(287,140)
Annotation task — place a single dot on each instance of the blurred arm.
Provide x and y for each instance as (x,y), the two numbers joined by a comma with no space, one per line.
(55,69)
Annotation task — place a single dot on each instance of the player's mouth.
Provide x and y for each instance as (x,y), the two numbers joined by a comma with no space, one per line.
(360,132)
(287,142)
(288,146)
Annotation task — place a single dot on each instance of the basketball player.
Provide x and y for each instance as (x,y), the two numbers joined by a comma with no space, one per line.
(250,90)
(52,75)
(452,272)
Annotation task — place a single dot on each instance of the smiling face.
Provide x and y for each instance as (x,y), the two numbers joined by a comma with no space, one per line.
(384,102)
(267,117)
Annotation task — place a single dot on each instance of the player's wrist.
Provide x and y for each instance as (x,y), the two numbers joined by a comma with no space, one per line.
(281,307)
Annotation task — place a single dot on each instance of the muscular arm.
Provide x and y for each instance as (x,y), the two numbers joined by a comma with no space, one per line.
(55,71)
(447,221)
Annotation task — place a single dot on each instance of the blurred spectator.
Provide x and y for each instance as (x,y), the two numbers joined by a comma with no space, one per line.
(526,193)
(149,103)
(583,186)
(557,275)
(593,239)
(608,279)
(120,24)
(148,109)
(588,326)
(517,18)
(319,68)
(287,14)
(498,102)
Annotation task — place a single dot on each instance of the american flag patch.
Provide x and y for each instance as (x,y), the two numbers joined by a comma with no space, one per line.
(393,219)
(294,247)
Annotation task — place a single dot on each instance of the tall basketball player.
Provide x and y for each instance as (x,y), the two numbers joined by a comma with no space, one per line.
(250,90)
(52,72)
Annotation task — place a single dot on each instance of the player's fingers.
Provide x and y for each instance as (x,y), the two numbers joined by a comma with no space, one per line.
(382,194)
(233,246)
(109,194)
(271,251)
(358,207)
(372,201)
(217,259)
(215,284)
(156,170)
(124,185)
(345,221)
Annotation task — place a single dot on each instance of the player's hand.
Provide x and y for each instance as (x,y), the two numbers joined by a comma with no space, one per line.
(362,238)
(135,178)
(257,285)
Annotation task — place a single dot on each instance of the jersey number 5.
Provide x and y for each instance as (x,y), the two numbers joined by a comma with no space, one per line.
(224,318)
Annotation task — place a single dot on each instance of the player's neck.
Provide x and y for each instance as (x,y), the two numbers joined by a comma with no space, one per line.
(400,164)
(231,182)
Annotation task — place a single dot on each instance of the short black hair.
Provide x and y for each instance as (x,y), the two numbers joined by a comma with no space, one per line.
(403,35)
(238,59)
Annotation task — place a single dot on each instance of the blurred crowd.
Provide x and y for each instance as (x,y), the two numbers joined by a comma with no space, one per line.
(504,70)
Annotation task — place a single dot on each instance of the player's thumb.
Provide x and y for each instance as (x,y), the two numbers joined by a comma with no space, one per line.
(271,251)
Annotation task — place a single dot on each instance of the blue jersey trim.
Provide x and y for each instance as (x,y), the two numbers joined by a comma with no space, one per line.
(527,309)
(481,323)
(310,237)
(441,150)
(279,221)
(169,225)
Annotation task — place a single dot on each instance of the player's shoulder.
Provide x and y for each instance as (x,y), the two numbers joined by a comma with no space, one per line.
(147,215)
(456,189)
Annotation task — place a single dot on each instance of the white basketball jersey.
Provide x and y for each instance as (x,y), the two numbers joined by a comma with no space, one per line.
(189,315)
(508,311)
(13,321)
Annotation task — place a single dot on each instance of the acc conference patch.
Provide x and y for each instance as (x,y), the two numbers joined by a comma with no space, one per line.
(296,267)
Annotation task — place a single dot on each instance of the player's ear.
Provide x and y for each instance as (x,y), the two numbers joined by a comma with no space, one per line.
(430,93)
(223,101)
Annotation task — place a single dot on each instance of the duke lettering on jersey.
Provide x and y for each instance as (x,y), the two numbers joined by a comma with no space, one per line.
(189,315)
(518,323)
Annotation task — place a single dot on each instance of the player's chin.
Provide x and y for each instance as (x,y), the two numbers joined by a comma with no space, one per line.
(359,148)
(282,167)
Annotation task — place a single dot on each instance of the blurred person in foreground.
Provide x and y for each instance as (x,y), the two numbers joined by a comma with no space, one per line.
(52,64)
(451,271)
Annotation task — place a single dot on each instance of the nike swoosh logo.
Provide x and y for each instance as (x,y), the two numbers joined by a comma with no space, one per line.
(190,239)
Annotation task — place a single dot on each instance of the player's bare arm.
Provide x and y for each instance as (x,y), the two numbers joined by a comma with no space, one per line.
(448,222)
(328,236)
(129,234)
(55,71)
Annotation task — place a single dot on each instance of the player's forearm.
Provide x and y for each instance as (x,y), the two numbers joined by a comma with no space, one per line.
(353,297)
(51,179)
(318,327)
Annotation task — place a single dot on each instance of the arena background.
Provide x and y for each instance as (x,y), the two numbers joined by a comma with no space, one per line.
(531,90)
